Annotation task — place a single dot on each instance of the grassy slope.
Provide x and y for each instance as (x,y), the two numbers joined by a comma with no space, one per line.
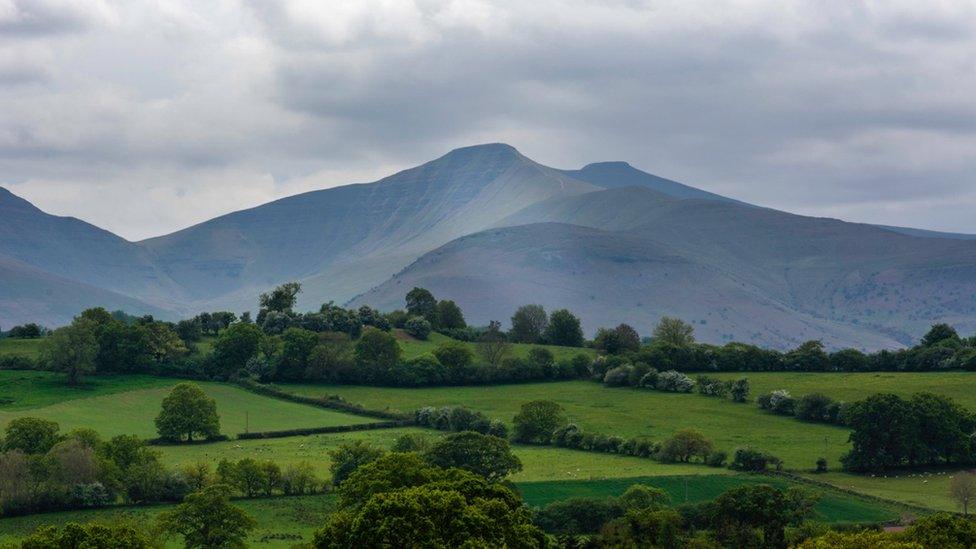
(925,489)
(960,386)
(24,389)
(833,507)
(16,346)
(413,348)
(626,412)
(300,516)
(133,411)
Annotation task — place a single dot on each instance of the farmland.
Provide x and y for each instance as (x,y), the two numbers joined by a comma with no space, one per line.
(413,348)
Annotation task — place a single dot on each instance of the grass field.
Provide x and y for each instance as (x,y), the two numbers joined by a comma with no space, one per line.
(133,411)
(832,507)
(25,389)
(926,489)
(960,386)
(539,463)
(16,346)
(625,412)
(413,348)
(279,520)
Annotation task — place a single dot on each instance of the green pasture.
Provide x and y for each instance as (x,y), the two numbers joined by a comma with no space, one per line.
(926,489)
(25,389)
(625,412)
(281,521)
(960,386)
(832,507)
(16,346)
(413,348)
(133,411)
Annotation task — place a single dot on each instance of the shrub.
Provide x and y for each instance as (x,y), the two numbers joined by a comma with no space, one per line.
(740,390)
(537,420)
(618,376)
(649,379)
(716,458)
(675,382)
(418,327)
(754,461)
(815,407)
(684,446)
(454,355)
(821,465)
(779,402)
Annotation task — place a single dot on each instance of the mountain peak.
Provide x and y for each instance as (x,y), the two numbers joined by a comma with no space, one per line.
(485,149)
(611,165)
(10,200)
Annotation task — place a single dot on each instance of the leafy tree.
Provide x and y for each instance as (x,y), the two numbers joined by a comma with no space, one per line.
(536,421)
(739,392)
(883,433)
(529,323)
(815,407)
(332,359)
(297,345)
(563,329)
(685,445)
(758,515)
(640,496)
(208,519)
(644,528)
(808,357)
(866,539)
(618,340)
(484,455)
(164,343)
(493,346)
(849,360)
(944,531)
(753,461)
(123,348)
(940,333)
(418,326)
(350,456)
(30,435)
(71,350)
(449,316)
(187,411)
(674,331)
(962,488)
(420,302)
(235,346)
(377,350)
(26,331)
(280,300)
(454,355)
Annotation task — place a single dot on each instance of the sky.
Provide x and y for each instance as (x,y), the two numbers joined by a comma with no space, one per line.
(144,117)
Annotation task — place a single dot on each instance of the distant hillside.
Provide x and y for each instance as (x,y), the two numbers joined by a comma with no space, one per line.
(611,175)
(749,273)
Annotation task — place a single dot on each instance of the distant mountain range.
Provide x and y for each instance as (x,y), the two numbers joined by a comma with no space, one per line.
(492,229)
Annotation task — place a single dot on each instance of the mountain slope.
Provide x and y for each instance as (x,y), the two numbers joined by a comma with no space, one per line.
(758,274)
(340,241)
(611,175)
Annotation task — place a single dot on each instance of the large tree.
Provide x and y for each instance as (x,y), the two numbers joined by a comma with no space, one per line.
(235,346)
(529,323)
(187,412)
(564,329)
(536,421)
(493,346)
(72,349)
(485,455)
(449,316)
(420,302)
(208,519)
(673,331)
(280,300)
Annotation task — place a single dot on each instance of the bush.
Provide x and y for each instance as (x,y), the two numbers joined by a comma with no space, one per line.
(455,355)
(675,382)
(816,407)
(649,379)
(821,465)
(418,327)
(17,362)
(618,376)
(779,402)
(754,461)
(716,458)
(684,446)
(740,390)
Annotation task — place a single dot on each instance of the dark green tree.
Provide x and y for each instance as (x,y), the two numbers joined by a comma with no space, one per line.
(30,435)
(350,456)
(377,351)
(536,421)
(186,412)
(296,349)
(71,350)
(449,316)
(235,346)
(528,324)
(564,329)
(940,333)
(420,302)
(883,433)
(280,300)
(485,455)
(208,519)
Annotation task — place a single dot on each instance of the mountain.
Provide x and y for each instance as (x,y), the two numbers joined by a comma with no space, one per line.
(343,240)
(492,229)
(737,271)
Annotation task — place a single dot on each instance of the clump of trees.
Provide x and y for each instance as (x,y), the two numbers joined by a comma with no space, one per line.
(30,330)
(459,418)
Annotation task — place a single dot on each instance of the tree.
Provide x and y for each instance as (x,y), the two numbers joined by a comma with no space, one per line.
(674,331)
(350,456)
(962,488)
(485,455)
(188,411)
(536,421)
(685,445)
(420,302)
(332,359)
(742,516)
(26,331)
(940,333)
(808,357)
(208,519)
(377,350)
(943,530)
(296,347)
(235,346)
(620,339)
(93,534)
(71,350)
(883,433)
(418,326)
(563,329)
(493,346)
(280,300)
(449,316)
(529,323)
(30,435)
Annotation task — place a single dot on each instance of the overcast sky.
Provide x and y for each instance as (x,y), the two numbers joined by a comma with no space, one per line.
(145,117)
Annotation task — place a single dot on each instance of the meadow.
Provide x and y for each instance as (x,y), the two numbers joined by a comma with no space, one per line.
(132,410)
(960,386)
(25,347)
(413,348)
(623,411)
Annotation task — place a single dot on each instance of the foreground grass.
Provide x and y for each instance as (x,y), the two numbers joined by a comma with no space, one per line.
(25,347)
(282,522)
(960,386)
(133,411)
(832,507)
(413,348)
(625,412)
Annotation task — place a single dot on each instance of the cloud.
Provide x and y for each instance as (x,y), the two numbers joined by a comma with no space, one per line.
(863,110)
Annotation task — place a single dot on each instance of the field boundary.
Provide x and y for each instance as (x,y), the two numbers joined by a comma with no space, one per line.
(324,430)
(332,403)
